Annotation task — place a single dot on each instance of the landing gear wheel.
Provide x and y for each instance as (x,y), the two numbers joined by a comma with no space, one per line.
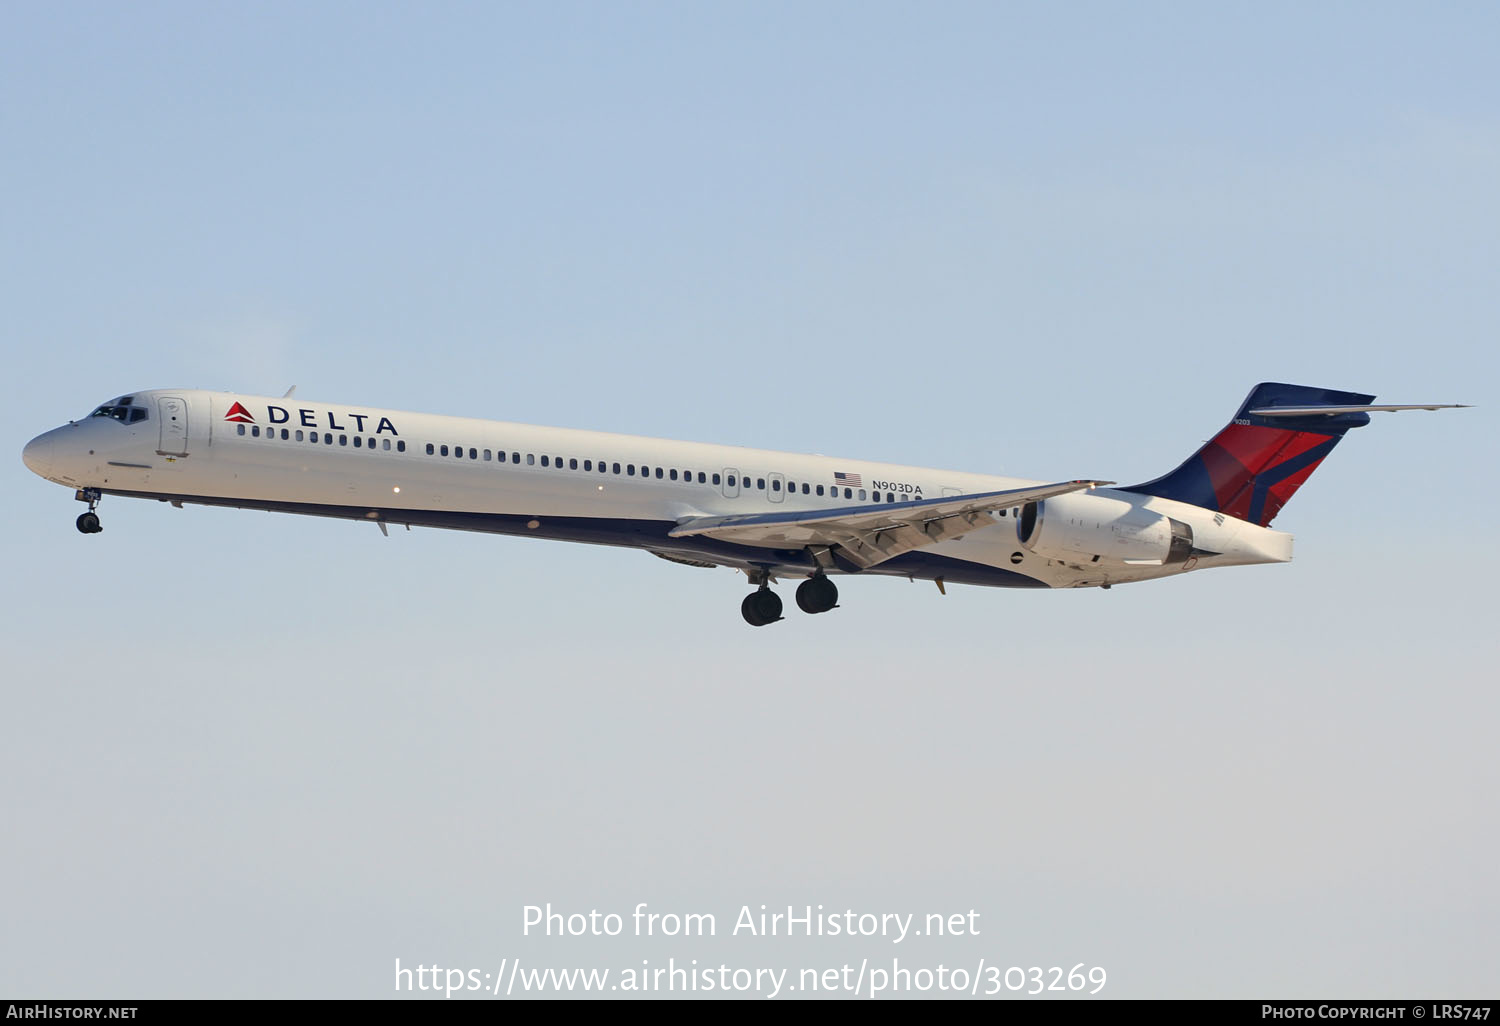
(88,522)
(817,595)
(761,607)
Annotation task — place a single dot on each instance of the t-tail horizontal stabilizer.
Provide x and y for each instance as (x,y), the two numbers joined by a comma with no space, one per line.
(1329,411)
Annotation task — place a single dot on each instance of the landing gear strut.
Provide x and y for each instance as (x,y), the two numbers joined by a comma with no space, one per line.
(88,523)
(817,594)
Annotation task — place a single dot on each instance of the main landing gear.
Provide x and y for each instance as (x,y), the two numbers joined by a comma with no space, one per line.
(88,523)
(817,594)
(761,607)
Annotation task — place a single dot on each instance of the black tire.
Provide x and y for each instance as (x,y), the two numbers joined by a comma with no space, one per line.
(817,595)
(761,607)
(88,523)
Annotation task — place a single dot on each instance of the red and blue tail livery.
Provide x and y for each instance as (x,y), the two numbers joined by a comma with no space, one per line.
(1254,465)
(771,515)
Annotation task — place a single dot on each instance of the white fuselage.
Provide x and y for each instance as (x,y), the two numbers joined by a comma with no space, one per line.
(422,469)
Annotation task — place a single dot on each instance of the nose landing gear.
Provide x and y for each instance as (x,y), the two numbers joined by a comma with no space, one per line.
(88,523)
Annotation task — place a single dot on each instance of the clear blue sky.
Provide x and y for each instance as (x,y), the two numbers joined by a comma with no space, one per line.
(261,755)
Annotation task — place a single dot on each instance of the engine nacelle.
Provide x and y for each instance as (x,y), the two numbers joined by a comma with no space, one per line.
(1099,529)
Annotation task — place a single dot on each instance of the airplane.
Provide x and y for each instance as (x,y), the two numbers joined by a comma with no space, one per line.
(771,515)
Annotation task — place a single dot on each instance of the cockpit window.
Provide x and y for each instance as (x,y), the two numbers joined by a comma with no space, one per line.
(123,410)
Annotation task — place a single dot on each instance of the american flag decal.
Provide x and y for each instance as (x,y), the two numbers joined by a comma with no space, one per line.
(847,480)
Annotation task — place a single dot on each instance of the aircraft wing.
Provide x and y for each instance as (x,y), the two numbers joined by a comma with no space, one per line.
(871,534)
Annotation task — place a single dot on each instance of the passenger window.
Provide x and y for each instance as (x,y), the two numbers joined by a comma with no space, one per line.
(429,448)
(716,479)
(805,489)
(358,443)
(299,434)
(658,473)
(285,434)
(775,485)
(630,469)
(343,439)
(861,495)
(731,481)
(385,443)
(645,470)
(820,489)
(242,428)
(458,452)
(760,483)
(531,459)
(573,464)
(701,481)
(673,475)
(255,431)
(557,462)
(486,455)
(890,496)
(848,493)
(401,446)
(500,455)
(544,461)
(515,457)
(473,454)
(444,450)
(588,464)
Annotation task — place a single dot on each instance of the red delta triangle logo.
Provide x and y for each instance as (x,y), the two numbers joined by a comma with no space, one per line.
(239,414)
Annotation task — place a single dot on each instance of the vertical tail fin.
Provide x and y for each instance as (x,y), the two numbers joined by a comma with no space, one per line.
(1252,467)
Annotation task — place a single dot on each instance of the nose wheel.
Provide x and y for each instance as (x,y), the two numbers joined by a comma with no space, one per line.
(88,523)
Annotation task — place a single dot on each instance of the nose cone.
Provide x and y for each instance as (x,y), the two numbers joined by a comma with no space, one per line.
(38,454)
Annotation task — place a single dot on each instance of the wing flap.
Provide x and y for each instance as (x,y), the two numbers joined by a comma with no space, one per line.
(871,534)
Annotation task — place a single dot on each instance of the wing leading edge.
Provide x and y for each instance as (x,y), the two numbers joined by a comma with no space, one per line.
(871,534)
